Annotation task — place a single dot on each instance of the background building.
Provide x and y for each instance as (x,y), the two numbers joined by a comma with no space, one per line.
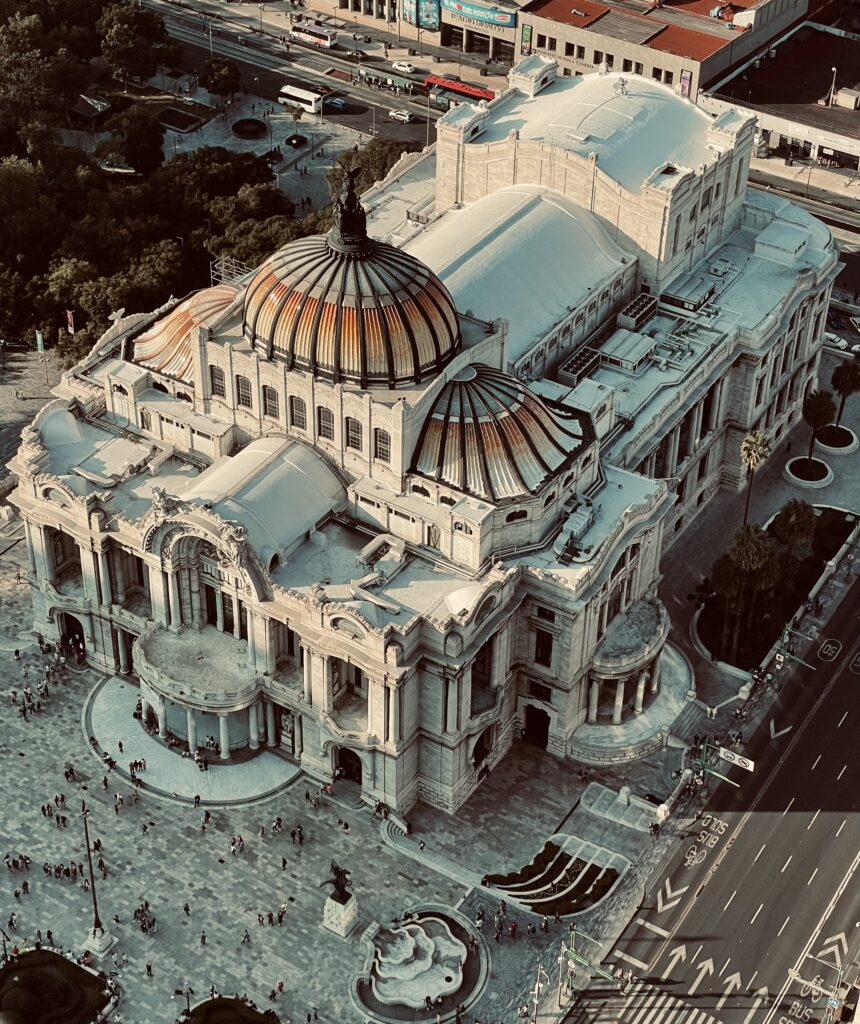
(399,496)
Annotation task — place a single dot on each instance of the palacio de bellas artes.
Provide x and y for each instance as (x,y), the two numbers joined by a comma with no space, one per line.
(393,504)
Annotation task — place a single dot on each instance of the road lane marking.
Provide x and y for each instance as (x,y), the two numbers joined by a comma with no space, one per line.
(784,923)
(699,950)
(752,979)
(841,827)
(647,924)
(816,763)
(784,866)
(630,960)
(842,719)
(759,852)
(839,776)
(790,802)
(814,873)
(814,816)
(726,907)
(755,915)
(725,965)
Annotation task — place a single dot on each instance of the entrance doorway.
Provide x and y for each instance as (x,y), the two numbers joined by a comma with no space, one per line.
(72,631)
(537,726)
(349,764)
(483,746)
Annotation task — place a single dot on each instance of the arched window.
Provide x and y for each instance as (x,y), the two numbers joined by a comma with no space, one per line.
(549,499)
(216,379)
(271,406)
(446,499)
(325,423)
(418,489)
(158,386)
(243,392)
(515,517)
(183,396)
(298,413)
(382,445)
(145,419)
(353,433)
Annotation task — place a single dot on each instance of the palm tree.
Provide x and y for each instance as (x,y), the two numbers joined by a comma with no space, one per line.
(845,382)
(818,410)
(794,525)
(755,448)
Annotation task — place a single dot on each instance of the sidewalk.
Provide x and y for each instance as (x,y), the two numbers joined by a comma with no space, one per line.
(827,185)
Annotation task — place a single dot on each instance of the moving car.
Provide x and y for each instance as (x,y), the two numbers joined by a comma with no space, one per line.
(403,67)
(834,341)
(855,323)
(334,102)
(400,115)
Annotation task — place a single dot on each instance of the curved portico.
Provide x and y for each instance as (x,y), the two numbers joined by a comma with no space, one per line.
(625,668)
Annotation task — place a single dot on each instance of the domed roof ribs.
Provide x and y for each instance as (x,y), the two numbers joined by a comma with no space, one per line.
(512,460)
(532,415)
(482,452)
(297,319)
(315,330)
(301,276)
(443,443)
(403,282)
(338,329)
(357,272)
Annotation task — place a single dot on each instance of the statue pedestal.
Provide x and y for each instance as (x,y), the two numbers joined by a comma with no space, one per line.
(340,918)
(98,943)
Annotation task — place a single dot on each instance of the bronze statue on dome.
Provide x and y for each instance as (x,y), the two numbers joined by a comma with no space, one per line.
(349,222)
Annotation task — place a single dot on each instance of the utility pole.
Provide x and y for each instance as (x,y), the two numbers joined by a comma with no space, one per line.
(568,960)
(99,939)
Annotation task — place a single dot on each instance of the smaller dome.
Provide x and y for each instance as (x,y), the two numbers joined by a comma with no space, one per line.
(489,435)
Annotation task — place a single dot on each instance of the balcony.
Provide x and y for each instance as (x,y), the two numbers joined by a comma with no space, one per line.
(632,639)
(206,669)
(135,611)
(287,685)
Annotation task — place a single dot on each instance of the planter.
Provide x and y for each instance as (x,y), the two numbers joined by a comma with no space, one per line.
(832,440)
(811,473)
(249,128)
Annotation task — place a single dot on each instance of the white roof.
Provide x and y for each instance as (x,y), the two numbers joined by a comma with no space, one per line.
(276,488)
(524,253)
(634,130)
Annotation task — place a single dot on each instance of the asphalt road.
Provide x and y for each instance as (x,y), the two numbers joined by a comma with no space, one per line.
(263,67)
(762,884)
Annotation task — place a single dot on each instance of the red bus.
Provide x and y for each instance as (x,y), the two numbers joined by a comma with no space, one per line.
(463,90)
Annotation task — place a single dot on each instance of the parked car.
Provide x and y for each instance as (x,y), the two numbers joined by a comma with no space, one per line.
(334,102)
(834,341)
(855,351)
(403,67)
(855,323)
(400,115)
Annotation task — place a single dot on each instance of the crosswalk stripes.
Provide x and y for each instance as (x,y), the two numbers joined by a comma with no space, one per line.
(647,1004)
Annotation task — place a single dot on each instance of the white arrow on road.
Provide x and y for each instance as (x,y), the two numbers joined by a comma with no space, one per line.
(761,996)
(705,967)
(678,955)
(673,896)
(733,983)
(837,946)
(774,734)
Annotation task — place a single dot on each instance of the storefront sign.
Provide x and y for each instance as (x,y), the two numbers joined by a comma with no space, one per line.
(482,15)
(686,82)
(526,41)
(421,13)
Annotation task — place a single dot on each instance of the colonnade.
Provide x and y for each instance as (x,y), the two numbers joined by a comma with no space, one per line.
(647,678)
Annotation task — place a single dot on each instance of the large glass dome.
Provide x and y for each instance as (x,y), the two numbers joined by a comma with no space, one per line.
(345,307)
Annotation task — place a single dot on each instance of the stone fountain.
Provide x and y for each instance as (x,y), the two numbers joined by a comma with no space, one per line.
(417,959)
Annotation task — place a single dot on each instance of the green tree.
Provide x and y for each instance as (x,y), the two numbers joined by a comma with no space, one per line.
(728,583)
(220,76)
(845,382)
(373,162)
(136,140)
(818,410)
(134,40)
(794,525)
(757,560)
(755,448)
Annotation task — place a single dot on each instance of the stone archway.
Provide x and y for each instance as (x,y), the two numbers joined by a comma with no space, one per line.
(72,630)
(348,765)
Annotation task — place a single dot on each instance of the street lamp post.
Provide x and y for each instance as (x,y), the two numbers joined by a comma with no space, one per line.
(2,357)
(5,940)
(262,8)
(187,991)
(832,88)
(99,939)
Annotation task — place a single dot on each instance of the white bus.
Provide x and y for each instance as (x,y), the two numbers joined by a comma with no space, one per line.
(314,33)
(301,94)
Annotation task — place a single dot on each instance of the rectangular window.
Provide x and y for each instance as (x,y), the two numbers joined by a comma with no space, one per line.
(243,392)
(271,406)
(552,43)
(657,74)
(541,42)
(540,692)
(637,68)
(543,648)
(668,78)
(325,423)
(547,614)
(610,61)
(216,379)
(598,57)
(706,198)
(627,65)
(580,53)
(738,178)
(382,445)
(353,433)
(569,49)
(298,415)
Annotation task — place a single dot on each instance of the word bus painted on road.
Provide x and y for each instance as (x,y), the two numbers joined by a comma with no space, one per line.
(302,94)
(313,33)
(460,90)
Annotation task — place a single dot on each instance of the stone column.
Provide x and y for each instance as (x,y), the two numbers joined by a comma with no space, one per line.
(640,692)
(219,611)
(298,736)
(224,737)
(161,711)
(375,707)
(156,594)
(104,579)
(271,646)
(46,552)
(619,702)
(31,554)
(253,728)
(672,453)
(328,694)
(270,723)
(237,622)
(394,712)
(307,663)
(466,694)
(252,642)
(175,602)
(716,401)
(495,644)
(593,700)
(191,726)
(119,574)
(655,674)
(122,643)
(453,692)
(651,467)
(194,590)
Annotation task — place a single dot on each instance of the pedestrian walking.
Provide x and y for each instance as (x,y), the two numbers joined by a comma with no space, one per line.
(186,910)
(149,968)
(203,938)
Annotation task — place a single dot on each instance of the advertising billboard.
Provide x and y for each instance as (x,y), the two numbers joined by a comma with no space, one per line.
(484,15)
(421,13)
(526,41)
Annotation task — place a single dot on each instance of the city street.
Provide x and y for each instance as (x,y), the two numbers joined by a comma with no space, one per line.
(764,877)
